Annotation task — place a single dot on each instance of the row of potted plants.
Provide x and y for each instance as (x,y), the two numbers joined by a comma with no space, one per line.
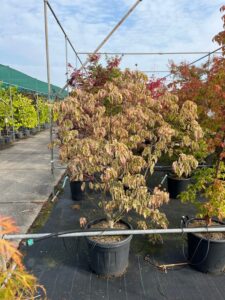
(111,134)
(114,128)
(21,112)
(7,137)
(20,115)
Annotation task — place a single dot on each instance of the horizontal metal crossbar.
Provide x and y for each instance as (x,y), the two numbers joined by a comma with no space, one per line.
(83,233)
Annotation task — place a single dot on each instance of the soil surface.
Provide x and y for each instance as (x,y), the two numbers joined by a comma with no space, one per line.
(211,235)
(108,239)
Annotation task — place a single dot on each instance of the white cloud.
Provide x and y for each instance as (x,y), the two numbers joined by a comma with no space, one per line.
(168,25)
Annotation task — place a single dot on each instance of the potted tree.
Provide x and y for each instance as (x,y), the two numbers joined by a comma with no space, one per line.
(206,251)
(112,132)
(43,112)
(25,115)
(180,179)
(187,146)
(101,126)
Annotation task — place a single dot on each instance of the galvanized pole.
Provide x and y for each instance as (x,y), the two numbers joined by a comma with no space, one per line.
(49,80)
(96,232)
(113,30)
(12,113)
(108,36)
(67,70)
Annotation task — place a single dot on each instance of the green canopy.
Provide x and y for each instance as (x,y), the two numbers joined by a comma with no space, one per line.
(12,77)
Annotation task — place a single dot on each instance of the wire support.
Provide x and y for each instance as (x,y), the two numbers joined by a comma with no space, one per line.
(65,34)
(147,53)
(197,60)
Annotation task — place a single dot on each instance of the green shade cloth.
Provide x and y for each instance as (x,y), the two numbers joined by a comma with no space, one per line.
(12,77)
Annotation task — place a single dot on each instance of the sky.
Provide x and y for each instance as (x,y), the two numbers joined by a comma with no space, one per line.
(154,26)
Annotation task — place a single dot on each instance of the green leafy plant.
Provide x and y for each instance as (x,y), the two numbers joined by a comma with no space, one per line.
(210,184)
(43,111)
(5,107)
(25,114)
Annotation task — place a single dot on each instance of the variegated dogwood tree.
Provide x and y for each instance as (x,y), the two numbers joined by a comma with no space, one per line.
(112,132)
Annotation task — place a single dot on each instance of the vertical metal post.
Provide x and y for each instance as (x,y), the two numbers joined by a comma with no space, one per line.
(66,56)
(12,113)
(49,79)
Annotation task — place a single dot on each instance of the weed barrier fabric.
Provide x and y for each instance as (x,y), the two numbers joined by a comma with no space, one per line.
(62,266)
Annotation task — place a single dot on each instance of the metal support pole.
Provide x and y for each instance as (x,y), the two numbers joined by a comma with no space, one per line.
(66,56)
(76,63)
(113,30)
(107,37)
(83,233)
(12,113)
(49,79)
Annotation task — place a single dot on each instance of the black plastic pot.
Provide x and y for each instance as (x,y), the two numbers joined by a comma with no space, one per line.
(46,126)
(205,255)
(33,130)
(76,193)
(18,135)
(177,185)
(2,141)
(26,132)
(8,139)
(110,259)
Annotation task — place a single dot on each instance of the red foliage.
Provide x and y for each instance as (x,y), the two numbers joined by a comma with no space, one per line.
(205,85)
(95,75)
(220,37)
(156,86)
(113,62)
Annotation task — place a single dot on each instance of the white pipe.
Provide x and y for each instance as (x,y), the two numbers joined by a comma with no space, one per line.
(113,30)
(63,186)
(113,232)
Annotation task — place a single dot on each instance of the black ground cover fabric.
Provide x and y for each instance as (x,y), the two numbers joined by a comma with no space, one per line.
(61,265)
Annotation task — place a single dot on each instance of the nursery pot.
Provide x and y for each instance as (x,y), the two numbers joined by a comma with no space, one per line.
(177,185)
(26,132)
(2,141)
(76,193)
(108,259)
(206,255)
(19,135)
(33,130)
(8,139)
(46,125)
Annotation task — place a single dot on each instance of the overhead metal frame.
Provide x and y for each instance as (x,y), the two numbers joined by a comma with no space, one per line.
(96,51)
(67,41)
(148,53)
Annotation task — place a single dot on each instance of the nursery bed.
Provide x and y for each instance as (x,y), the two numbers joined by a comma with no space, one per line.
(61,265)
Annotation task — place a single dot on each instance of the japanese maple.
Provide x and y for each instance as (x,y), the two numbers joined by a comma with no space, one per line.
(15,282)
(205,85)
